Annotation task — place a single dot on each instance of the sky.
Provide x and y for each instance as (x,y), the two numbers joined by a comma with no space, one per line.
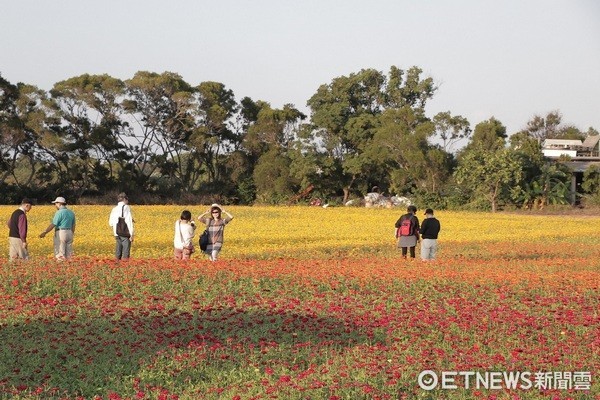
(510,59)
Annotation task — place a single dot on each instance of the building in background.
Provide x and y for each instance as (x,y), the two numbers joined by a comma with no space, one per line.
(577,155)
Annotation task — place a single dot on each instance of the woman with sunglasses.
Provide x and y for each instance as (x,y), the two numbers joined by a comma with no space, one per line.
(215,226)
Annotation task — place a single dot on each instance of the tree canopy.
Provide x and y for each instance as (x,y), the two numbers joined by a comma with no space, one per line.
(159,137)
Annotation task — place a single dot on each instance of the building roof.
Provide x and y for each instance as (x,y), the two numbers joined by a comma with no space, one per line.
(591,141)
(561,142)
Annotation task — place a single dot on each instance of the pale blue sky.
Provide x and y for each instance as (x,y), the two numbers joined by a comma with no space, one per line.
(510,59)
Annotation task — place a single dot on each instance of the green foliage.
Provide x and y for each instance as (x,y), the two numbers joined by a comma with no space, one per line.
(272,178)
(591,185)
(456,197)
(591,180)
(550,187)
(246,191)
(529,151)
(271,129)
(549,127)
(493,175)
(382,139)
(430,200)
(488,135)
(157,135)
(451,129)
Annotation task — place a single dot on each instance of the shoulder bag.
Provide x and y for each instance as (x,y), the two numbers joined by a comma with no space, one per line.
(203,241)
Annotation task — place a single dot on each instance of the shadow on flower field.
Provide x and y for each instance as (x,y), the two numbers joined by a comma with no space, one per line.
(70,354)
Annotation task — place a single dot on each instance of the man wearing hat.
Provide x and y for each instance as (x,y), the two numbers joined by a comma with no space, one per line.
(121,221)
(17,232)
(63,224)
(429,233)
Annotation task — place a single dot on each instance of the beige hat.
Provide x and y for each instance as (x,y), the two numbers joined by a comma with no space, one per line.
(60,200)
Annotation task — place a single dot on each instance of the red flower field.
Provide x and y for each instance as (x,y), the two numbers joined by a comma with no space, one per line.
(343,328)
(510,310)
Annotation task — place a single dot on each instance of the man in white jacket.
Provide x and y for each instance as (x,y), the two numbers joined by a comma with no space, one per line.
(121,221)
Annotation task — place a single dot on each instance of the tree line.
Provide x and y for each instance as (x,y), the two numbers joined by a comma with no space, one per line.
(162,139)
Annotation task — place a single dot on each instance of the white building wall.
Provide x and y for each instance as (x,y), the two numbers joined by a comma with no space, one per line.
(559,152)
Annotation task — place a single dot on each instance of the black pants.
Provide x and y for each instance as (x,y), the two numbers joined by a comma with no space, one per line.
(405,250)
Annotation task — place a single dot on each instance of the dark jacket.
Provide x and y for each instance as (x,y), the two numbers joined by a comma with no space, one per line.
(17,225)
(430,228)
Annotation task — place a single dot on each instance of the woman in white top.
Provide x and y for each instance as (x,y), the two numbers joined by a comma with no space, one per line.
(184,235)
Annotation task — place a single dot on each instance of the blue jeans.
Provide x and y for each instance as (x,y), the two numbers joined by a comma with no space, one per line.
(122,248)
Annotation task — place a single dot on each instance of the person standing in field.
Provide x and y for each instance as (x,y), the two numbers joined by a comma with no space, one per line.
(215,225)
(184,235)
(407,231)
(429,233)
(63,224)
(121,221)
(17,232)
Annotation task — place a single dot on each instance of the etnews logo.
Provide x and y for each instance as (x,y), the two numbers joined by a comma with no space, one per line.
(576,380)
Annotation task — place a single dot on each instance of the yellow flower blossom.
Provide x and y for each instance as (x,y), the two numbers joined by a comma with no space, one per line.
(303,232)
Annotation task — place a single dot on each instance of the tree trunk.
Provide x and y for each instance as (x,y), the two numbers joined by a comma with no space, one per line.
(346,194)
(494,197)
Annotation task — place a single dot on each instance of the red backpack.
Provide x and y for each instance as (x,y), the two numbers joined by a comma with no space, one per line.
(406,227)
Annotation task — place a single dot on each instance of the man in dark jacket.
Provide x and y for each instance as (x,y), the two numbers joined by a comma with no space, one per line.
(429,233)
(17,232)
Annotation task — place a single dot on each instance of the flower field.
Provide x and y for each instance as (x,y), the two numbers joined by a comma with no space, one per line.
(306,303)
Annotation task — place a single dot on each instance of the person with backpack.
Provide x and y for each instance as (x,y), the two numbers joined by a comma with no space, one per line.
(429,233)
(121,221)
(407,231)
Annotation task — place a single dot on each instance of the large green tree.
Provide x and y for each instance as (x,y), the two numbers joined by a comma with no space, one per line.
(91,130)
(268,141)
(11,133)
(402,144)
(44,159)
(29,140)
(347,116)
(451,129)
(214,137)
(163,108)
(492,174)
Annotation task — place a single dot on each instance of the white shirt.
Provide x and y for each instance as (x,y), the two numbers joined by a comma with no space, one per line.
(184,233)
(115,214)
